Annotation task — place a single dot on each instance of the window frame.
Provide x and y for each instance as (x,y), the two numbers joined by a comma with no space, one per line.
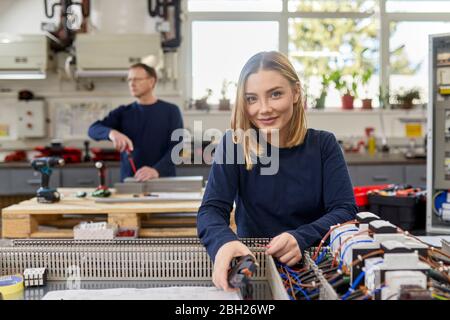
(383,18)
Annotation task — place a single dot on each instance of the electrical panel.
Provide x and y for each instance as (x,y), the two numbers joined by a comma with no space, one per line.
(31,119)
(438,164)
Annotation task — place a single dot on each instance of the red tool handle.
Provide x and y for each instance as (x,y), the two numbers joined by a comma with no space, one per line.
(130,159)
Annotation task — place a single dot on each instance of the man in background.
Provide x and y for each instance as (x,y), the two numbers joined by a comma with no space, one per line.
(143,127)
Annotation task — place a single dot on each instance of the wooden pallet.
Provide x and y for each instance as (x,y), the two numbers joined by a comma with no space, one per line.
(6,201)
(29,219)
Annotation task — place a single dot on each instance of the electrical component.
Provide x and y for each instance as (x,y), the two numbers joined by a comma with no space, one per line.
(397,257)
(339,234)
(414,292)
(382,227)
(441,205)
(35,277)
(395,280)
(366,217)
(95,230)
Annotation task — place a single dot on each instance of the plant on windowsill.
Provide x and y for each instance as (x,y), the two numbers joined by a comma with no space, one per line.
(202,103)
(365,78)
(320,102)
(224,103)
(405,98)
(346,88)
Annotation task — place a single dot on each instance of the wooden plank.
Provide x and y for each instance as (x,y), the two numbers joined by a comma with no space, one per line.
(169,221)
(67,222)
(167,232)
(90,207)
(125,220)
(50,234)
(19,226)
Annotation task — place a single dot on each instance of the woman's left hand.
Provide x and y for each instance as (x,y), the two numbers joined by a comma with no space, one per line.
(285,248)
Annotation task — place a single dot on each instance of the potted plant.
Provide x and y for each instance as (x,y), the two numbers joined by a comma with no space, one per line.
(320,102)
(202,103)
(365,78)
(224,103)
(346,88)
(405,98)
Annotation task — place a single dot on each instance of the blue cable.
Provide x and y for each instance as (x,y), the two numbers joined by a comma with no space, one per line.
(293,274)
(354,284)
(346,248)
(323,253)
(303,292)
(357,281)
(341,233)
(374,292)
(321,256)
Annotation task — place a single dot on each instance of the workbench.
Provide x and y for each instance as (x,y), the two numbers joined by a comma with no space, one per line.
(30,219)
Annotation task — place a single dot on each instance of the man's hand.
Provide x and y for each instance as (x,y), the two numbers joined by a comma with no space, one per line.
(146,173)
(121,142)
(222,262)
(285,248)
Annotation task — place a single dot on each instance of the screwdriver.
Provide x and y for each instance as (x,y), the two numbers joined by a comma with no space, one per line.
(130,159)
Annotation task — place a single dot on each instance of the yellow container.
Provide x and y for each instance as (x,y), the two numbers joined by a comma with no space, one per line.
(371,145)
(413,130)
(11,287)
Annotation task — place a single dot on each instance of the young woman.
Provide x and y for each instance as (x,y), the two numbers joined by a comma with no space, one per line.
(310,191)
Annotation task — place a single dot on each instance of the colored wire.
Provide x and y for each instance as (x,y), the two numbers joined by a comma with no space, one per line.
(332,241)
(438,297)
(346,249)
(358,280)
(368,255)
(314,257)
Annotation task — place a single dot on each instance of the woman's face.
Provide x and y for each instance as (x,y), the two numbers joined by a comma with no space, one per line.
(270,101)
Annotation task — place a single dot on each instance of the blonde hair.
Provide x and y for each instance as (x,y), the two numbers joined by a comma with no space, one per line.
(274,61)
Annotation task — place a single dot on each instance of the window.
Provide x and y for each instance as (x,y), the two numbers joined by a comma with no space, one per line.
(320,46)
(420,6)
(319,37)
(332,5)
(220,49)
(234,5)
(409,54)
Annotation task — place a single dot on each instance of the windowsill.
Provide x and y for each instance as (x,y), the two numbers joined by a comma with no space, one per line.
(326,111)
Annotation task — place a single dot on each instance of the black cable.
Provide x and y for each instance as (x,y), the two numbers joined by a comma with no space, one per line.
(356,294)
(52,12)
(442,288)
(436,275)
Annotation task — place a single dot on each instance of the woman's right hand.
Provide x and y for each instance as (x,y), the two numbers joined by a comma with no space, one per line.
(121,142)
(224,255)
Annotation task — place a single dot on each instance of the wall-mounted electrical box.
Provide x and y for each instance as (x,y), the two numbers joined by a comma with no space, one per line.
(23,56)
(31,119)
(110,55)
(438,157)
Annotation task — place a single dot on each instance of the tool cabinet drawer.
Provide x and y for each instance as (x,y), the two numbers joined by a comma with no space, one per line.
(27,181)
(80,178)
(416,175)
(5,182)
(379,174)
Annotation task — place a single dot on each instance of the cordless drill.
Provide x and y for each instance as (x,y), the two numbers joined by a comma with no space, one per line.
(45,194)
(102,190)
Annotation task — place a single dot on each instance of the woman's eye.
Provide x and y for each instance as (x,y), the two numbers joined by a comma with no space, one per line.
(276,94)
(250,99)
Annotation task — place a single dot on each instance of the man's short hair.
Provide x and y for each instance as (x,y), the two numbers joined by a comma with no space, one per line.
(151,72)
